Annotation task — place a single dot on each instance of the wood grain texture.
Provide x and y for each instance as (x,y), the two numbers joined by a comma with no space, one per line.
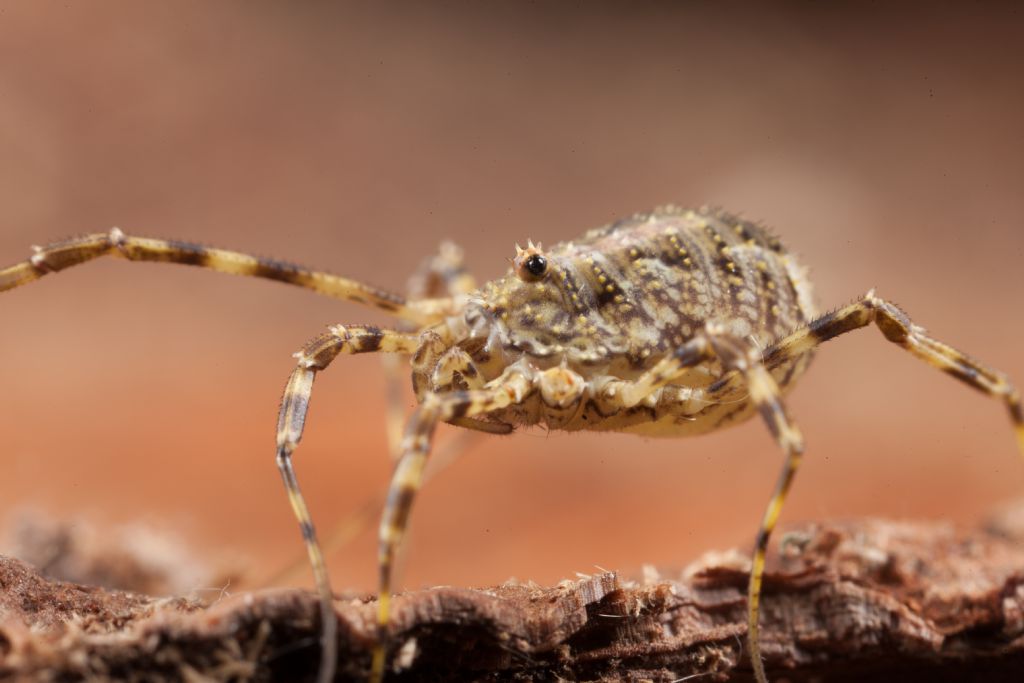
(843,601)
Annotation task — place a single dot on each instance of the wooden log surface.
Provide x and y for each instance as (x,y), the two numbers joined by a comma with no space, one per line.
(844,601)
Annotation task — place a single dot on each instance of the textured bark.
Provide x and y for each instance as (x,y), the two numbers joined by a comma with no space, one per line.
(844,601)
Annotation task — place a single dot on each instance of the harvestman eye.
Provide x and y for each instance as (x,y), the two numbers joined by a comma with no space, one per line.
(530,264)
(536,266)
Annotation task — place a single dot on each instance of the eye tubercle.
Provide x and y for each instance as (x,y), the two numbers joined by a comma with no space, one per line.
(530,264)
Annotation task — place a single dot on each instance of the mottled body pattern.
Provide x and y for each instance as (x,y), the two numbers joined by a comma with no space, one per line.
(668,323)
(624,296)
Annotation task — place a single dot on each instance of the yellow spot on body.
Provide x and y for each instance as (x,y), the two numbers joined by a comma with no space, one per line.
(609,288)
(602,279)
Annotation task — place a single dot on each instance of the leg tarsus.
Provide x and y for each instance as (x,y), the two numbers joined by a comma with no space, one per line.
(328,617)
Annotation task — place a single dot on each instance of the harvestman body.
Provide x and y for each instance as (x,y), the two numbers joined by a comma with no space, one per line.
(668,323)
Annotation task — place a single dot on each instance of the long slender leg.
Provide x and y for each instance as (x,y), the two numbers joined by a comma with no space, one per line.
(353,524)
(77,250)
(765,395)
(509,389)
(394,400)
(314,357)
(442,275)
(897,327)
(739,357)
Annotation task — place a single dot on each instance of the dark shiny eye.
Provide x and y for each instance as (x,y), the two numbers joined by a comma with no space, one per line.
(530,264)
(536,265)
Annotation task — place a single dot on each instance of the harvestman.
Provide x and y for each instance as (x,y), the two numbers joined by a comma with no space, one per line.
(667,323)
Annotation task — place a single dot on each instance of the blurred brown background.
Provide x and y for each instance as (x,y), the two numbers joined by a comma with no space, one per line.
(884,144)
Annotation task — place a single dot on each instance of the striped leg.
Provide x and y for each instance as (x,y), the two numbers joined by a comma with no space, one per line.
(626,394)
(71,252)
(897,327)
(456,370)
(509,389)
(314,357)
(442,275)
(740,358)
(346,531)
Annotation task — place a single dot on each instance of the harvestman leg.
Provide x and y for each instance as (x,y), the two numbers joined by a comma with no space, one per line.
(897,327)
(314,357)
(77,250)
(453,363)
(742,360)
(60,255)
(442,275)
(509,389)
